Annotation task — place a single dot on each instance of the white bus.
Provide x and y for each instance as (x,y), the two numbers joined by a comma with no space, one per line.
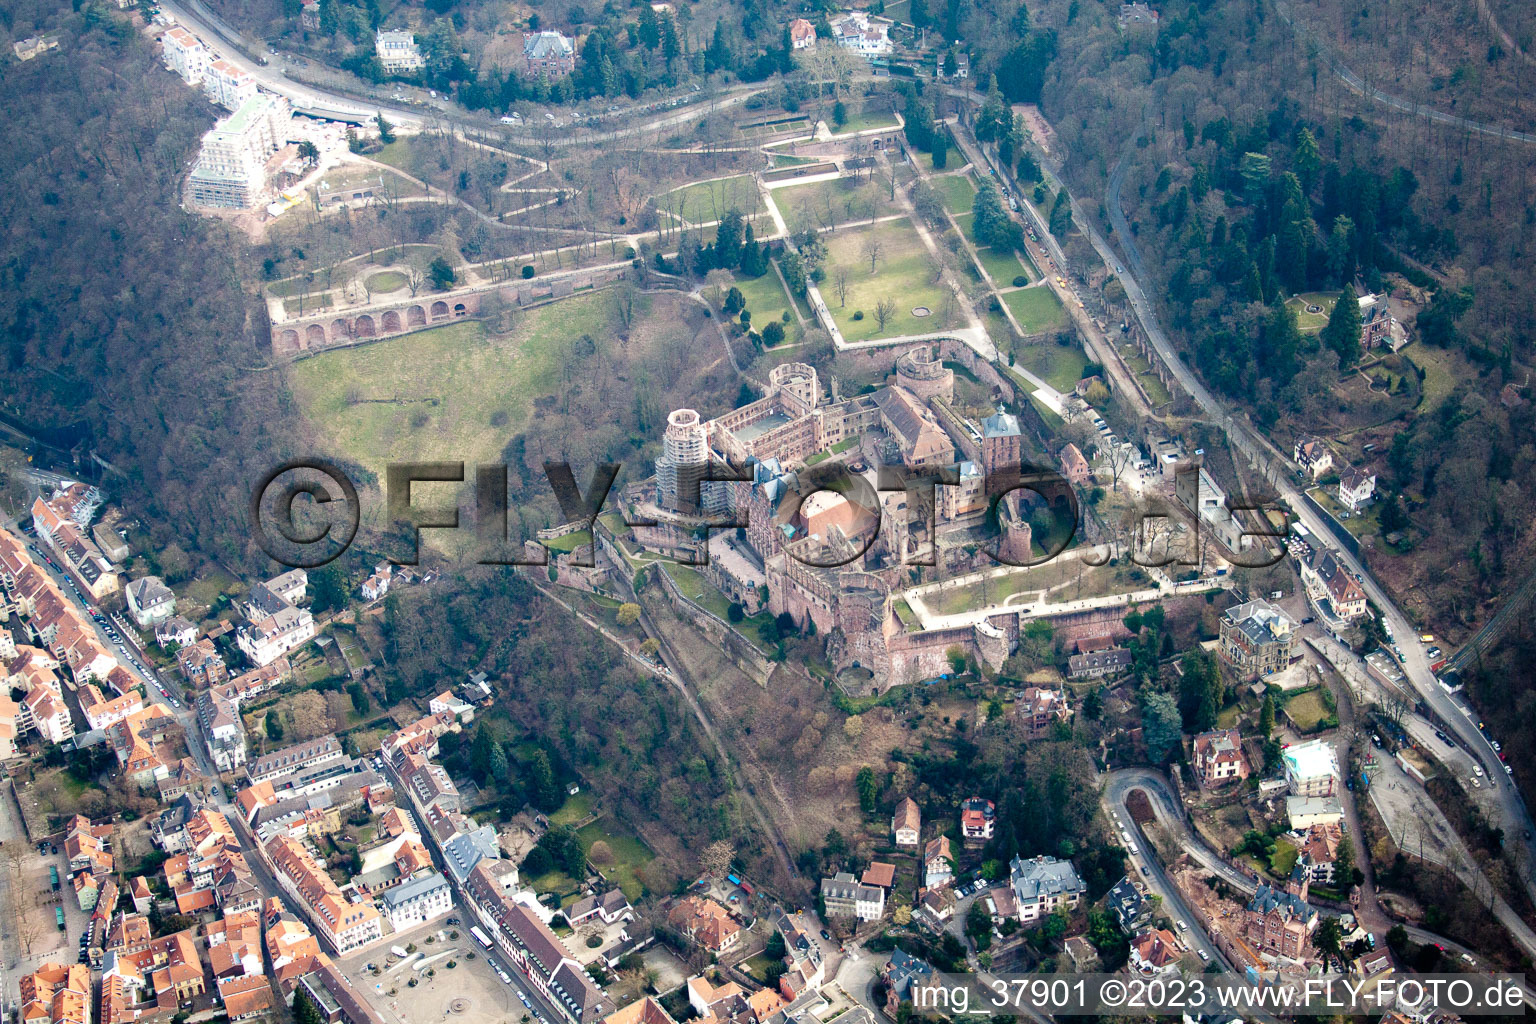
(480,937)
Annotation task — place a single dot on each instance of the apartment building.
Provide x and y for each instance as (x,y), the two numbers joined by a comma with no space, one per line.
(1042,885)
(418,901)
(231,167)
(227,85)
(342,923)
(184,54)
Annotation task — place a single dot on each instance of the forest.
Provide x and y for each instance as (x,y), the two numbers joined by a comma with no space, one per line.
(124,316)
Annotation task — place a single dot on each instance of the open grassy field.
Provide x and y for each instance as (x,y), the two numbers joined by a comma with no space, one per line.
(709,200)
(1036,309)
(1098,581)
(902,275)
(825,204)
(957,190)
(768,301)
(431,395)
(576,808)
(1060,366)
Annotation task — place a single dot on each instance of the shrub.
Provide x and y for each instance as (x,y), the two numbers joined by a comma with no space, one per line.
(858,314)
(593,941)
(527,271)
(1019,281)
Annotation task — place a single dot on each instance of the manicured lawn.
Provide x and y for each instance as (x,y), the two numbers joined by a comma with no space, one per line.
(1283,859)
(1036,309)
(697,589)
(1309,322)
(901,275)
(1060,366)
(294,307)
(1098,581)
(386,281)
(709,200)
(865,120)
(630,855)
(958,192)
(768,301)
(1003,267)
(431,395)
(995,590)
(785,160)
(825,204)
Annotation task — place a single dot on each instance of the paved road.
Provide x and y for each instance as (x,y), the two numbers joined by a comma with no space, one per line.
(1283,476)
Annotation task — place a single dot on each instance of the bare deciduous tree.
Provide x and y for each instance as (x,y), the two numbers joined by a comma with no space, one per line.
(873,250)
(840,285)
(885,309)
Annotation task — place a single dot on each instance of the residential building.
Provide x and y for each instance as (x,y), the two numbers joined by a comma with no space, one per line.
(47,714)
(1099,664)
(309,15)
(1357,485)
(1280,921)
(862,34)
(1043,885)
(938,863)
(273,637)
(845,896)
(1039,709)
(201,664)
(703,921)
(879,873)
(1313,455)
(9,712)
(33,46)
(1137,13)
(1127,903)
(56,994)
(1311,768)
(231,166)
(61,522)
(1318,850)
(150,601)
(343,924)
(447,703)
(1332,588)
(802,34)
(1256,638)
(906,977)
(227,85)
(907,822)
(978,819)
(610,907)
(184,54)
(1154,952)
(418,901)
(548,54)
(289,587)
(1218,757)
(175,631)
(223,730)
(298,759)
(101,712)
(377,585)
(397,51)
(528,942)
(1303,812)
